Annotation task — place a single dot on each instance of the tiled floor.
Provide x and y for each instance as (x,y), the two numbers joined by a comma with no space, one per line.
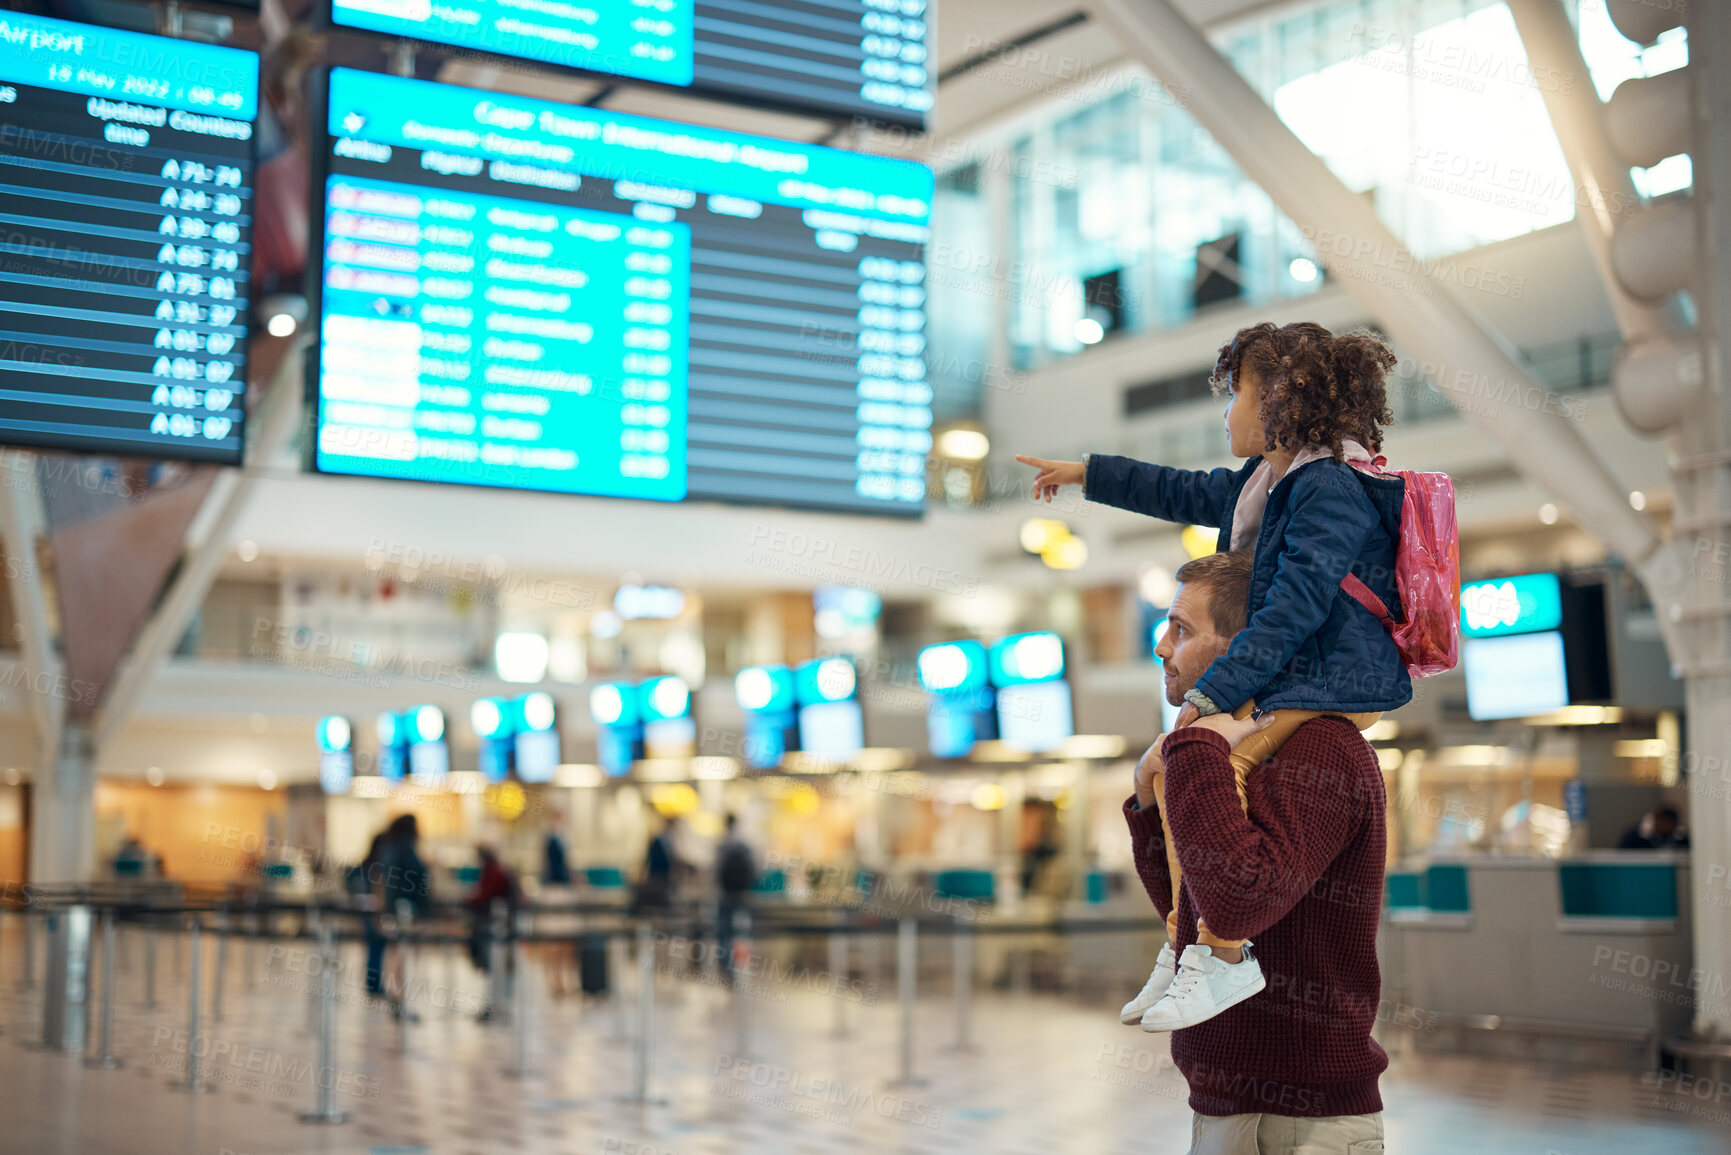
(1048,1075)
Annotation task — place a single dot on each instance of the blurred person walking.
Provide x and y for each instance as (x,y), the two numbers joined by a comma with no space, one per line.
(661,869)
(735,875)
(495,885)
(406,880)
(362,882)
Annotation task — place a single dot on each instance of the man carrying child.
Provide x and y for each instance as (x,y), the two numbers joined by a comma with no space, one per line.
(1293,1070)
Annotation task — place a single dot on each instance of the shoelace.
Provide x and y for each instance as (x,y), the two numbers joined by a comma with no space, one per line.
(1188,978)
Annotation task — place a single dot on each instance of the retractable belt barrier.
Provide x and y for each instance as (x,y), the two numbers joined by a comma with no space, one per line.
(327,925)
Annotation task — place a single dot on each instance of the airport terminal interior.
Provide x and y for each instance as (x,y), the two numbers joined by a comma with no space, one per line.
(737,675)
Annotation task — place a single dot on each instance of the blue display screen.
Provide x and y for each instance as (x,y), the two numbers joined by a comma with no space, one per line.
(539,296)
(852,57)
(126,171)
(1512,605)
(1516,676)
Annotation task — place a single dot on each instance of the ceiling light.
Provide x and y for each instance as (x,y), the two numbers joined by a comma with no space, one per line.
(963,444)
(521,657)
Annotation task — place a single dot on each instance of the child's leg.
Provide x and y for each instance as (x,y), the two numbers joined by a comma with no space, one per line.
(1171,856)
(1246,756)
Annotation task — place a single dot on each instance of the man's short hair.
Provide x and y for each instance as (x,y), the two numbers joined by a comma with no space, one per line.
(1225,578)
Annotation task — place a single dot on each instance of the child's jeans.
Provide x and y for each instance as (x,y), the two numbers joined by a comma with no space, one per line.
(1247,755)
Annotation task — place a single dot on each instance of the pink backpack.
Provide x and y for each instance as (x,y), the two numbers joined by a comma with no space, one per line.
(1427,574)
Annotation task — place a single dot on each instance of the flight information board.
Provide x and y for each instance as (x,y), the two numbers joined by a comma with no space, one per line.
(126,167)
(539,296)
(820,57)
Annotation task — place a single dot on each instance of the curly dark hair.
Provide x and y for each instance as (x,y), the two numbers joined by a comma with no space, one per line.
(1318,388)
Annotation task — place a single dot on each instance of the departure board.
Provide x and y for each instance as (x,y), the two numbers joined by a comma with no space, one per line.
(821,57)
(540,296)
(126,167)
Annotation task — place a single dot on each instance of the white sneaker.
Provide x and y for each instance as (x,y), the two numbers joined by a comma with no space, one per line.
(1165,970)
(1205,986)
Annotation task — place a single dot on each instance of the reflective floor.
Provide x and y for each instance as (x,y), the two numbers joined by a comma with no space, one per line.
(1047,1074)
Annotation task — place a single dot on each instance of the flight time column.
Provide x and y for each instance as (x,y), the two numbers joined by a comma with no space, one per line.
(203,290)
(893,38)
(895,400)
(656,266)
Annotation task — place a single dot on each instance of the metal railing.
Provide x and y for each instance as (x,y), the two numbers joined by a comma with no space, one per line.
(66,914)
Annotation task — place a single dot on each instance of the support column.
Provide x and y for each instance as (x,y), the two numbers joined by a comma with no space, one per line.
(1703,520)
(63,810)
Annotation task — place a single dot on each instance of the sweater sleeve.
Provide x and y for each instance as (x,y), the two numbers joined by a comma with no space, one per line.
(1323,538)
(1191,496)
(1148,845)
(1245,871)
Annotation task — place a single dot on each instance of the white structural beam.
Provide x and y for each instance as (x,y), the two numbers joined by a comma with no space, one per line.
(1701,525)
(1606,193)
(21,523)
(1471,364)
(271,427)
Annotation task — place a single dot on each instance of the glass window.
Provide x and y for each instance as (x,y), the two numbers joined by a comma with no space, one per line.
(960,307)
(1127,216)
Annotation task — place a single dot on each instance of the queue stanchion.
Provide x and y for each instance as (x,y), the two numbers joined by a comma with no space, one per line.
(105,1028)
(148,925)
(645,1019)
(400,1008)
(496,928)
(52,1026)
(740,949)
(964,986)
(907,976)
(839,976)
(193,1083)
(249,953)
(66,980)
(325,1080)
(220,972)
(520,998)
(27,980)
(314,926)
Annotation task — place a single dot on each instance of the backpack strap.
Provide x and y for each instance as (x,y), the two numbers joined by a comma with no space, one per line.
(1360,593)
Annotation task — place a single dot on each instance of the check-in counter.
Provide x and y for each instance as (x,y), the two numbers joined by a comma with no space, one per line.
(1594,948)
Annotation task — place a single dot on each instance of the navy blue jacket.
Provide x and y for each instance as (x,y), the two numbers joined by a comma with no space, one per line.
(1307,645)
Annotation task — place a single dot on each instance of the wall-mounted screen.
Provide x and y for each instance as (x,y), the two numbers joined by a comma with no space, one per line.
(1035,716)
(1516,676)
(539,296)
(819,57)
(1512,605)
(126,162)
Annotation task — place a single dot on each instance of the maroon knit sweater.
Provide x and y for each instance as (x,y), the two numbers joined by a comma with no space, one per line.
(1301,877)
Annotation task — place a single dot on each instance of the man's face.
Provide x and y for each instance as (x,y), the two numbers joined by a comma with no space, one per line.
(1189,645)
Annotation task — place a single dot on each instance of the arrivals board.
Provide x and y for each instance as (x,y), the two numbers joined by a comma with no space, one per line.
(539,296)
(831,58)
(126,167)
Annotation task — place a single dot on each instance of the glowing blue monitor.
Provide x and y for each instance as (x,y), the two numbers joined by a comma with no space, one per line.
(844,58)
(128,163)
(528,295)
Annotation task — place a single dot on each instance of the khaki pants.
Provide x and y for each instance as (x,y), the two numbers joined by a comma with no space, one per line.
(1285,1135)
(1246,756)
